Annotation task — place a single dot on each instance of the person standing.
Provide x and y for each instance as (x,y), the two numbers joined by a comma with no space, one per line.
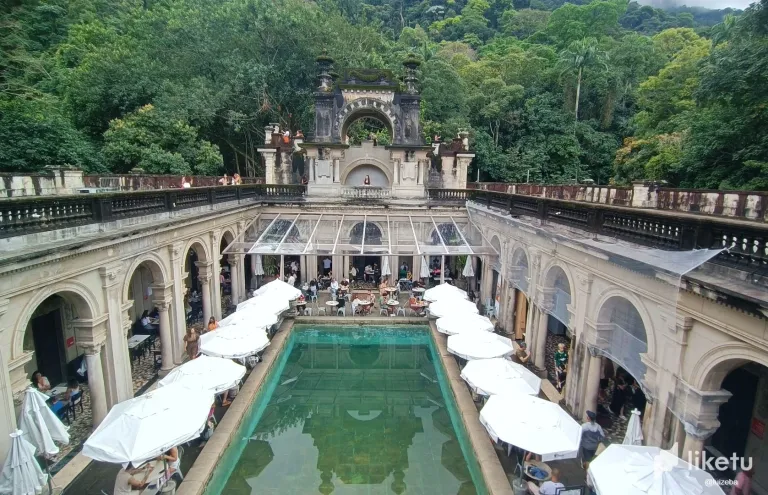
(591,436)
(619,398)
(522,356)
(637,398)
(561,364)
(212,324)
(192,342)
(327,265)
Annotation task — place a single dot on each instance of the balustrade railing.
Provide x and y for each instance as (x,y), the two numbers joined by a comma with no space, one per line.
(37,214)
(365,192)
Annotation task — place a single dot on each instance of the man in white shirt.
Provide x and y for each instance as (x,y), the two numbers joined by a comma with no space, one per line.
(292,280)
(327,265)
(353,274)
(550,487)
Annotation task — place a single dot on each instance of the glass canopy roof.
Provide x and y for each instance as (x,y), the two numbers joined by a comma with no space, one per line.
(334,234)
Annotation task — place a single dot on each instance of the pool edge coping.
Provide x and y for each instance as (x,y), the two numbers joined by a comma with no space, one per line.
(495,478)
(198,476)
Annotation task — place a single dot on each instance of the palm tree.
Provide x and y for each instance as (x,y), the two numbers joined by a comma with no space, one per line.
(723,31)
(580,55)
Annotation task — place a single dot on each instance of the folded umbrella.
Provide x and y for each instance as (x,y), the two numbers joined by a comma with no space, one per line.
(41,427)
(21,473)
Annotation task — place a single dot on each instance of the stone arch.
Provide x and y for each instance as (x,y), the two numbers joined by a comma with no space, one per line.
(370,161)
(613,293)
(202,252)
(227,235)
(712,368)
(352,233)
(554,276)
(74,292)
(156,266)
(365,107)
(520,267)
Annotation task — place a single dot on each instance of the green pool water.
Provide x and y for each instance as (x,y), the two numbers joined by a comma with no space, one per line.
(354,410)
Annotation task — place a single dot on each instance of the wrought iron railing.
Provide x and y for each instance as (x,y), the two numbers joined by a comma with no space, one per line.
(29,215)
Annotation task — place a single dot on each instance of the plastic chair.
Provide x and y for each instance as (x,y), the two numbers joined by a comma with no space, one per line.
(323,310)
(401,310)
(313,298)
(75,400)
(384,312)
(343,311)
(307,311)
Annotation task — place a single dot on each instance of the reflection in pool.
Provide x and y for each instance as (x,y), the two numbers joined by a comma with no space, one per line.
(351,411)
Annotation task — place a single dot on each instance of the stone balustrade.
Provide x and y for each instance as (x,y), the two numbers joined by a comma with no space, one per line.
(365,192)
(749,205)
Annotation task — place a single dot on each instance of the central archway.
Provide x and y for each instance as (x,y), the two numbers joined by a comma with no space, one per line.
(365,108)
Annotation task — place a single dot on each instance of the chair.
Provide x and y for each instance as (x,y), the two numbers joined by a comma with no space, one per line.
(75,400)
(383,311)
(401,310)
(313,297)
(307,311)
(343,311)
(323,310)
(61,410)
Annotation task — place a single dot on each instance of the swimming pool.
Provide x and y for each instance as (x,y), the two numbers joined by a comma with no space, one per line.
(352,410)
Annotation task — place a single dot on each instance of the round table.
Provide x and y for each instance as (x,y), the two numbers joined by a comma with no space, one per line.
(541,465)
(331,303)
(419,292)
(366,305)
(392,304)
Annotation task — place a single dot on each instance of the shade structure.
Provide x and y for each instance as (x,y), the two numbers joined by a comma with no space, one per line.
(207,373)
(234,341)
(463,322)
(500,376)
(258,267)
(142,428)
(279,288)
(385,271)
(255,316)
(272,303)
(479,345)
(424,268)
(634,434)
(638,470)
(536,425)
(41,427)
(21,472)
(451,307)
(468,271)
(444,291)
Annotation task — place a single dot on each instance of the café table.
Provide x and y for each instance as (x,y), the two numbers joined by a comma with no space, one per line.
(418,292)
(366,306)
(392,304)
(136,345)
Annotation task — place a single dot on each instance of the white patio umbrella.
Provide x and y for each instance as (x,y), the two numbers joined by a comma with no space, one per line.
(385,266)
(444,291)
(207,373)
(424,268)
(479,345)
(638,470)
(463,322)
(634,434)
(270,302)
(40,425)
(279,288)
(142,428)
(468,271)
(21,473)
(234,341)
(539,426)
(500,376)
(451,307)
(258,268)
(255,316)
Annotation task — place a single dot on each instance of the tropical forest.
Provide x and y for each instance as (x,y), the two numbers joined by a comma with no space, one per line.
(607,91)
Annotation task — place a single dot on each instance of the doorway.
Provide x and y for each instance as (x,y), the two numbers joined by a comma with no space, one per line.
(736,415)
(49,346)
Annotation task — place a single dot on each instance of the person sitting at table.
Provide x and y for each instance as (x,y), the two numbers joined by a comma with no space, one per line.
(367,273)
(155,313)
(344,286)
(313,287)
(147,324)
(212,324)
(552,486)
(127,482)
(342,302)
(173,461)
(383,287)
(40,382)
(73,387)
(334,288)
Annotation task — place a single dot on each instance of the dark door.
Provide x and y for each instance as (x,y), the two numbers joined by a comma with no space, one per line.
(49,348)
(736,414)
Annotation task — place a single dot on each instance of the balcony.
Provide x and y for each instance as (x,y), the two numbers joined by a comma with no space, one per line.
(365,192)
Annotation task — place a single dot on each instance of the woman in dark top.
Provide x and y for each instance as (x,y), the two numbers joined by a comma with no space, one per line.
(619,398)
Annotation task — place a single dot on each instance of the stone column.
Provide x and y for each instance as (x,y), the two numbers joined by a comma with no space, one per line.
(7,412)
(694,444)
(179,321)
(118,374)
(96,382)
(215,272)
(91,335)
(593,380)
(204,274)
(164,306)
(442,269)
(269,154)
(282,267)
(234,273)
(541,340)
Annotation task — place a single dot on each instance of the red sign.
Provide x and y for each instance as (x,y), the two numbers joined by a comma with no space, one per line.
(757,428)
(70,342)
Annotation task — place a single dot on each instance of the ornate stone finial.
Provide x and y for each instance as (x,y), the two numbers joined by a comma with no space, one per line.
(411,64)
(324,67)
